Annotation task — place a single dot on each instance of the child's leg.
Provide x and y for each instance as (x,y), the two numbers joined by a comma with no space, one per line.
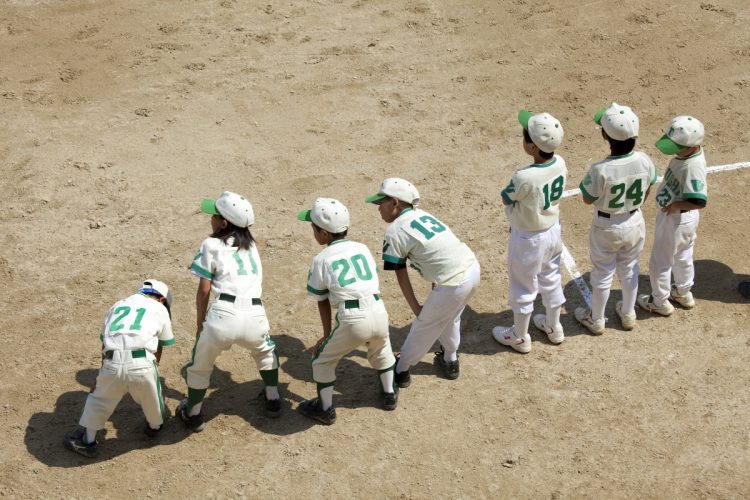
(145,389)
(662,256)
(254,337)
(206,350)
(550,281)
(628,268)
(603,258)
(683,268)
(379,350)
(339,343)
(525,256)
(100,404)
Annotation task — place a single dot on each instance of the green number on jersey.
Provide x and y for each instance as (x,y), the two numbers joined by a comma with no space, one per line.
(553,191)
(361,269)
(241,271)
(435,226)
(634,192)
(123,311)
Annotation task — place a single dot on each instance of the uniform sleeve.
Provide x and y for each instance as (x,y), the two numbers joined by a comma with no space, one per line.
(589,186)
(395,250)
(317,284)
(695,188)
(203,262)
(508,193)
(166,337)
(107,318)
(652,173)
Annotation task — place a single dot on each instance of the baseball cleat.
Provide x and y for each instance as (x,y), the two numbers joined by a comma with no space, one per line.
(193,422)
(311,408)
(646,302)
(271,407)
(403,379)
(450,369)
(627,320)
(390,399)
(555,335)
(152,433)
(75,442)
(583,315)
(506,335)
(685,300)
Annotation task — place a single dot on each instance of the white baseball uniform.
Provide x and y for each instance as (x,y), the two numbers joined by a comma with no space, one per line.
(675,235)
(441,258)
(132,332)
(345,273)
(236,316)
(618,185)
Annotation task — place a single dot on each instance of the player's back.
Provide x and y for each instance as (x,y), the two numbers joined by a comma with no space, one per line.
(620,183)
(348,270)
(535,192)
(134,323)
(231,270)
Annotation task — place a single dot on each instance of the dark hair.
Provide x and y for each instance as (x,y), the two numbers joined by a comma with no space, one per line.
(165,304)
(241,236)
(543,154)
(619,148)
(334,236)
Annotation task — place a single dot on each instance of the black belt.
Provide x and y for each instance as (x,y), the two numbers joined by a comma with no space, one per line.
(683,211)
(607,216)
(231,298)
(354,303)
(136,353)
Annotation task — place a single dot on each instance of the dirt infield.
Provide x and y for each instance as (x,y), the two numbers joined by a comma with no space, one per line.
(119,116)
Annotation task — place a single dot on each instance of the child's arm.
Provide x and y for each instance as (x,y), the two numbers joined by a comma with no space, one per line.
(405,284)
(324,308)
(158,354)
(201,303)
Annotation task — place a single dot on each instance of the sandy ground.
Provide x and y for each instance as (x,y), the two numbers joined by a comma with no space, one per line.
(118,117)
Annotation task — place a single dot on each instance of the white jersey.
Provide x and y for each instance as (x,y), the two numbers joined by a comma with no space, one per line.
(618,184)
(137,322)
(231,270)
(433,249)
(532,197)
(684,180)
(345,270)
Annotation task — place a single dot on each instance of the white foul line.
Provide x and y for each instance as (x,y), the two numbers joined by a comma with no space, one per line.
(570,263)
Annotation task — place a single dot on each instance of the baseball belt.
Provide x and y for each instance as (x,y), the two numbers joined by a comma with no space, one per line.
(231,298)
(607,216)
(135,353)
(354,303)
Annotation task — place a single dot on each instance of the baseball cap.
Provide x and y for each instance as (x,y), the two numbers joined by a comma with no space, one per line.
(544,129)
(619,122)
(682,132)
(232,207)
(328,214)
(158,288)
(394,187)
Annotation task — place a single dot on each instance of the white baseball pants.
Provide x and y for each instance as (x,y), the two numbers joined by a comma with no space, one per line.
(440,319)
(615,244)
(121,375)
(534,267)
(672,254)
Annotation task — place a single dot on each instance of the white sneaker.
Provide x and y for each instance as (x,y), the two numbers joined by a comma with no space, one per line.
(506,335)
(685,300)
(627,320)
(555,335)
(646,302)
(583,315)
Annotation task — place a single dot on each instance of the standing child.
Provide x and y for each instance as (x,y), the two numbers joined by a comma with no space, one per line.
(441,258)
(617,187)
(681,194)
(133,334)
(229,265)
(532,200)
(344,277)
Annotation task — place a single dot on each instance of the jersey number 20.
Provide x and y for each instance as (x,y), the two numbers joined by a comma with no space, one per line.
(361,269)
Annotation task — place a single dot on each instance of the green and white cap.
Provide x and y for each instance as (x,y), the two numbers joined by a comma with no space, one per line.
(682,132)
(328,214)
(619,122)
(232,207)
(544,129)
(393,187)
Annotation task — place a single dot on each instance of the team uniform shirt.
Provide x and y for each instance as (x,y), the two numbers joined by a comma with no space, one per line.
(684,180)
(430,246)
(137,322)
(231,270)
(619,184)
(345,270)
(532,197)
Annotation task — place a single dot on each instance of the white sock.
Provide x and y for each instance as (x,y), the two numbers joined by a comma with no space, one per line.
(553,316)
(195,409)
(450,357)
(326,397)
(90,435)
(386,378)
(272,392)
(521,323)
(599,298)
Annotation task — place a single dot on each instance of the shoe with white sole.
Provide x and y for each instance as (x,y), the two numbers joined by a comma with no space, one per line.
(627,320)
(685,300)
(506,335)
(646,302)
(555,335)
(583,315)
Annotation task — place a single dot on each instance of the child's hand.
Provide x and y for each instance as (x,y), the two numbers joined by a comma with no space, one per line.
(314,349)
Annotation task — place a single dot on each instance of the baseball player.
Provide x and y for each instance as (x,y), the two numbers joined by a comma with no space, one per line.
(133,334)
(343,277)
(532,199)
(229,265)
(681,194)
(617,187)
(431,248)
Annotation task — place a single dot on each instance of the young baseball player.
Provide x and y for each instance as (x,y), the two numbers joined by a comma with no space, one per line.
(441,258)
(617,187)
(681,194)
(343,277)
(133,334)
(532,199)
(229,265)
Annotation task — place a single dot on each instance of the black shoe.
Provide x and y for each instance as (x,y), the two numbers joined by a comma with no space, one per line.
(311,408)
(75,441)
(450,369)
(193,422)
(271,407)
(744,288)
(390,399)
(152,433)
(403,379)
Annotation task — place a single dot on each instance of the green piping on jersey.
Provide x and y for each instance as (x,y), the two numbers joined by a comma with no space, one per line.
(330,336)
(167,342)
(504,194)
(545,165)
(621,156)
(394,260)
(316,291)
(204,273)
(407,209)
(694,196)
(681,158)
(586,193)
(654,178)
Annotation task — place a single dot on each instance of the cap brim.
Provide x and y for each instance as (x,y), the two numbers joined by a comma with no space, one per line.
(523,118)
(668,146)
(598,116)
(209,207)
(304,215)
(375,198)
